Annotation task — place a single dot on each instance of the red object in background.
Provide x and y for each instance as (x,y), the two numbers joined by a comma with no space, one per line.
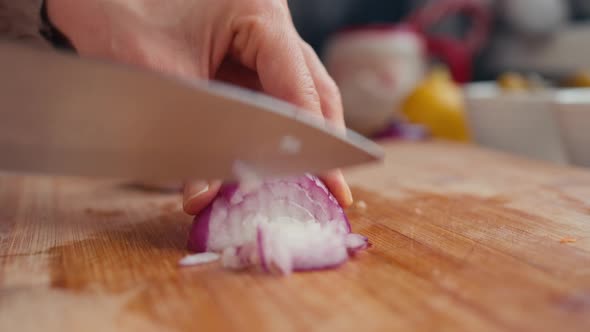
(377,66)
(456,52)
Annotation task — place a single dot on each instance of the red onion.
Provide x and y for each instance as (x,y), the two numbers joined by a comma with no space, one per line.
(283,225)
(403,131)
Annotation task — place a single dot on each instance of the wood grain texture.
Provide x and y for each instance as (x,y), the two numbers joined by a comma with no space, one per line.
(464,240)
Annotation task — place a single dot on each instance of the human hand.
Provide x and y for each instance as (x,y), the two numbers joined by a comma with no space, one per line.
(249,43)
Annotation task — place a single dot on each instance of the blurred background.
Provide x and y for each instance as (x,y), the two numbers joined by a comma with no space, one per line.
(512,75)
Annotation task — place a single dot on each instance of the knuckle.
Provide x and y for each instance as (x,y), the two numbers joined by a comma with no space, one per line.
(307,48)
(330,90)
(311,96)
(331,93)
(331,87)
(268,10)
(266,19)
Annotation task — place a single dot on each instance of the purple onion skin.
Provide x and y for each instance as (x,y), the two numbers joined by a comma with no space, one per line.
(402,131)
(199,233)
(197,240)
(228,190)
(314,183)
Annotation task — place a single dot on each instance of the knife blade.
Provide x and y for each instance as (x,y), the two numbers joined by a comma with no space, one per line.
(64,115)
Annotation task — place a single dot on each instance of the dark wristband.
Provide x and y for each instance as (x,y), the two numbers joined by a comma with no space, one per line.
(52,33)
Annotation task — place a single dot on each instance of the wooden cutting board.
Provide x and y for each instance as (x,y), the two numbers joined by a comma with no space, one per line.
(464,240)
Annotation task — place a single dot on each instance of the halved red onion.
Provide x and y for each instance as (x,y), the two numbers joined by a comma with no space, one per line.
(289,224)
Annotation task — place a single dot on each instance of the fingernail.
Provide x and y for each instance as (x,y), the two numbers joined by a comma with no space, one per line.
(195,189)
(348,199)
(342,190)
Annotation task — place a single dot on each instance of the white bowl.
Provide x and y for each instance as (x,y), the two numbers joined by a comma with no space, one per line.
(572,108)
(517,122)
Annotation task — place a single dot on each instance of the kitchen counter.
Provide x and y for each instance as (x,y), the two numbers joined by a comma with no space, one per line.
(463,240)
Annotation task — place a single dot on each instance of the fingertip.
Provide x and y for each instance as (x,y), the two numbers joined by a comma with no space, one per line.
(198,194)
(338,187)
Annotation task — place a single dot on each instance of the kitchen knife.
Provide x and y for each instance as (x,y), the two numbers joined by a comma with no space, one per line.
(64,115)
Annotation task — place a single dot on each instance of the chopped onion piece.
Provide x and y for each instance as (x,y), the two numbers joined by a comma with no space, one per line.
(247,176)
(361,205)
(356,242)
(200,258)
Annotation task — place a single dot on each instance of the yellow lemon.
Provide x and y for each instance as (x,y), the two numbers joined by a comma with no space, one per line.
(437,103)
